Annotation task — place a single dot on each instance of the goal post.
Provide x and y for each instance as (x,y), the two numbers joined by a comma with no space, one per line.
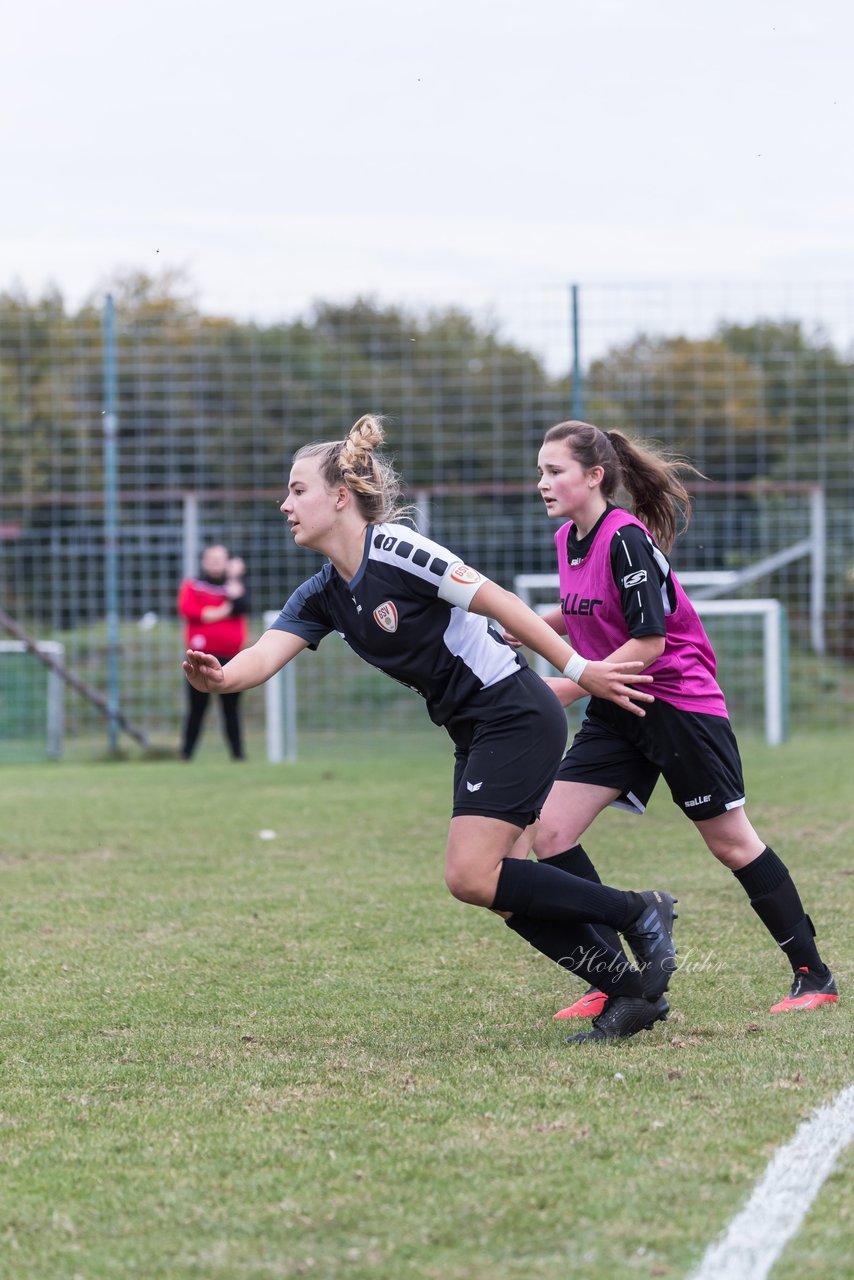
(774,644)
(32,697)
(775,663)
(280,709)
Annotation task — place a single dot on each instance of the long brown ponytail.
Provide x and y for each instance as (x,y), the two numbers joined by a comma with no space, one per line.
(648,475)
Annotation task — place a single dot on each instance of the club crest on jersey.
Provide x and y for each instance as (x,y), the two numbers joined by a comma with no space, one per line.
(465,574)
(385,615)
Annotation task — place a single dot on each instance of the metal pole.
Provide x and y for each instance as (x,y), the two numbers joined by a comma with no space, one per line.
(280,709)
(577,376)
(111,544)
(773,624)
(190,536)
(818,568)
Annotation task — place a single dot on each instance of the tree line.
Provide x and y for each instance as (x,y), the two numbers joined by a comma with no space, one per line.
(211,402)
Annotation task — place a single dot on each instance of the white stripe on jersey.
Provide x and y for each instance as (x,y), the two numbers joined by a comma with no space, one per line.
(664,566)
(489,661)
(628,555)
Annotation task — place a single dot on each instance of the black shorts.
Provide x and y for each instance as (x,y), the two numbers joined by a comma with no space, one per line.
(696,754)
(509,742)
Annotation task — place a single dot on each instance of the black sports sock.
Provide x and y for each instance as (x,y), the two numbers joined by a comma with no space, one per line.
(801,950)
(579,948)
(776,901)
(532,889)
(577,862)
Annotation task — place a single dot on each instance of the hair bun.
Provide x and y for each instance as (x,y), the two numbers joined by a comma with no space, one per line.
(362,438)
(366,473)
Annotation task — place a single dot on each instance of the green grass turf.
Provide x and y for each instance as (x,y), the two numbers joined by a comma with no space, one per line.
(225,1057)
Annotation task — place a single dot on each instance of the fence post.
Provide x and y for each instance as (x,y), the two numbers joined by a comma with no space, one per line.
(111,541)
(577,375)
(818,568)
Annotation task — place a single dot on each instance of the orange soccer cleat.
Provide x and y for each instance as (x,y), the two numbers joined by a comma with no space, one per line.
(809,990)
(590,1005)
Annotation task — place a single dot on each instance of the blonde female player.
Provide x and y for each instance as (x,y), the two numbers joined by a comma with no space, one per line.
(620,600)
(414,610)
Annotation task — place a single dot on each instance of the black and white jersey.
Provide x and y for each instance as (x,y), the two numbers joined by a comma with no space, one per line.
(406,613)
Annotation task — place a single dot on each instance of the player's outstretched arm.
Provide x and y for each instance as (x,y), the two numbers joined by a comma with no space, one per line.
(249,668)
(553,619)
(614,681)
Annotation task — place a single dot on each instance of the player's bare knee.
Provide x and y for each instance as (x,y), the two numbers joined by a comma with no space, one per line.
(735,856)
(466,887)
(733,849)
(550,841)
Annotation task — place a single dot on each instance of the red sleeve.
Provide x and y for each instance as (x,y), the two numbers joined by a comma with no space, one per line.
(191,602)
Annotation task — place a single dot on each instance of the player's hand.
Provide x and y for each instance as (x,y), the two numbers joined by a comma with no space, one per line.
(616,682)
(509,638)
(566,691)
(203,671)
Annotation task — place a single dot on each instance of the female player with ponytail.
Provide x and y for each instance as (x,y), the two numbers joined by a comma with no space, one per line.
(416,611)
(620,600)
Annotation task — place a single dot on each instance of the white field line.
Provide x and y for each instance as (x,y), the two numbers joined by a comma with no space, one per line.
(757,1235)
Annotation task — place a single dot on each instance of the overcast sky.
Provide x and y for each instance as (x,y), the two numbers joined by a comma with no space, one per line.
(441,150)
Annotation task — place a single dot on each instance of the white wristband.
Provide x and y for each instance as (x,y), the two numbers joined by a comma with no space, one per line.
(574,669)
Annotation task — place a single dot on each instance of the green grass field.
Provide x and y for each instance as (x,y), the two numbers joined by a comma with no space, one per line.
(229,1057)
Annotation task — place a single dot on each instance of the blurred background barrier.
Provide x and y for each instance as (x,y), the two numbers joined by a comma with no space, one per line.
(128,446)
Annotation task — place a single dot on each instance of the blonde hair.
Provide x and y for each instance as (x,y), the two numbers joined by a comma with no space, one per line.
(648,475)
(369,476)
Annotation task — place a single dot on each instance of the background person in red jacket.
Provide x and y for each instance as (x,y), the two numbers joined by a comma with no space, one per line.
(214,608)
